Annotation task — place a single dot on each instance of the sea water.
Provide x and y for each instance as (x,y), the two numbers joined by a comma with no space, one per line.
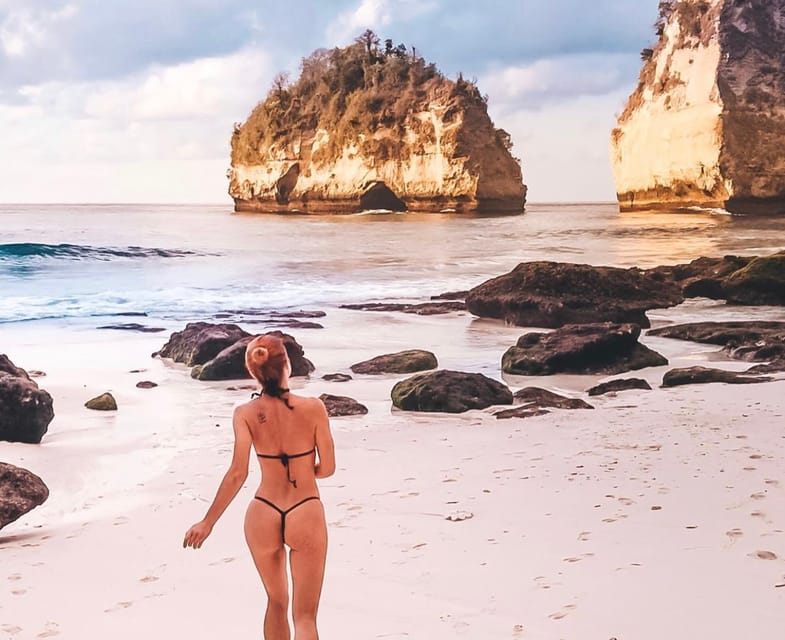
(85,265)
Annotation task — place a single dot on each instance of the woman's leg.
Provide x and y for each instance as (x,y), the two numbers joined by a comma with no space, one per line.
(306,534)
(263,534)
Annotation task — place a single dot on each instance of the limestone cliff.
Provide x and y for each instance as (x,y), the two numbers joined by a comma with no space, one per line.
(371,128)
(706,124)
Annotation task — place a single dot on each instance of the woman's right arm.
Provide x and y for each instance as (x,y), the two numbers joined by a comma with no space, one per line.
(324,443)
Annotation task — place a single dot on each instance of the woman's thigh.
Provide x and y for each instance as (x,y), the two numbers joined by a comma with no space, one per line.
(306,534)
(263,534)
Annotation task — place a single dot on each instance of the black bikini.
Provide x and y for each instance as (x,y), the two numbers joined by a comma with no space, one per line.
(284,458)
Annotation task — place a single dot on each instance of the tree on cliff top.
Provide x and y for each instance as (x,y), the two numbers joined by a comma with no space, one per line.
(348,91)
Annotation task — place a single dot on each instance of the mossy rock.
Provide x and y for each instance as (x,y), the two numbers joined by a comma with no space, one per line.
(762,282)
(410,361)
(449,392)
(104,402)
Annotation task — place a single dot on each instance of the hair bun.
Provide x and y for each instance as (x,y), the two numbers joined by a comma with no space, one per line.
(260,355)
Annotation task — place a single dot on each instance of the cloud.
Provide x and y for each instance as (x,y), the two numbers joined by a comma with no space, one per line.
(136,135)
(25,29)
(374,14)
(554,80)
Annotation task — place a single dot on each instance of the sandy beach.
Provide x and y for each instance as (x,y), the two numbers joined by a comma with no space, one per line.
(659,514)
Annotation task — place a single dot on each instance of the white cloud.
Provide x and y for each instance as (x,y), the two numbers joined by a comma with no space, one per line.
(374,14)
(553,80)
(133,139)
(24,29)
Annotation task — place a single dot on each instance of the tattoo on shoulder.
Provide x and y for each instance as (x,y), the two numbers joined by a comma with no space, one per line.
(261,417)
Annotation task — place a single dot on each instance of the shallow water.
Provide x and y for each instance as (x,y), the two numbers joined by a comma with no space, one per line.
(179,263)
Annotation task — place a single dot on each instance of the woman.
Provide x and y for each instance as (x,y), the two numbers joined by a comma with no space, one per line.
(287,433)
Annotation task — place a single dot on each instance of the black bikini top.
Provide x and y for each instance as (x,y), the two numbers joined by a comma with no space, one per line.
(284,458)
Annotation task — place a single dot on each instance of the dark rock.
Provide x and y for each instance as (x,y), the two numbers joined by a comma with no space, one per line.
(761,282)
(622,384)
(133,326)
(200,342)
(449,392)
(10,368)
(520,412)
(702,277)
(337,377)
(743,340)
(342,406)
(146,384)
(401,362)
(751,280)
(581,349)
(295,324)
(229,364)
(775,366)
(697,375)
(35,373)
(20,492)
(422,309)
(535,397)
(451,295)
(25,410)
(552,294)
(104,402)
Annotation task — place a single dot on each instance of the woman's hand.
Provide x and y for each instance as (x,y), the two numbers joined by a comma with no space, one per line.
(196,535)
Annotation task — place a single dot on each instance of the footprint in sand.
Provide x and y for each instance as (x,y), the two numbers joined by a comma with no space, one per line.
(222,561)
(15,576)
(734,533)
(517,631)
(764,555)
(577,559)
(583,536)
(120,605)
(19,592)
(626,501)
(52,629)
(757,514)
(565,610)
(760,495)
(120,520)
(10,629)
(148,579)
(773,483)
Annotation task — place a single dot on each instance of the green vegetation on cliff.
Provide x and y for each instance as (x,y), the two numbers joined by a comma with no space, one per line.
(353,92)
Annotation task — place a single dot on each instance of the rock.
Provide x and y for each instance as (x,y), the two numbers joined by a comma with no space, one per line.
(622,384)
(762,281)
(20,492)
(401,362)
(698,375)
(581,349)
(342,406)
(449,392)
(422,309)
(200,342)
(25,410)
(104,402)
(133,326)
(706,124)
(535,397)
(743,340)
(451,295)
(552,294)
(337,377)
(337,141)
(229,364)
(703,277)
(35,373)
(520,412)
(146,384)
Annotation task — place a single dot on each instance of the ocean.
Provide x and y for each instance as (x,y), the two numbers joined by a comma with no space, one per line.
(82,265)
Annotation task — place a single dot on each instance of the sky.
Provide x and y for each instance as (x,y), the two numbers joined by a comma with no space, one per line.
(135,100)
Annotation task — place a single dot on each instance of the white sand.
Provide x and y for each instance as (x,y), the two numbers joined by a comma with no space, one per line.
(564,541)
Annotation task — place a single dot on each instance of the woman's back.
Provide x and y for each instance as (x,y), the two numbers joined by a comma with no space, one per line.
(284,440)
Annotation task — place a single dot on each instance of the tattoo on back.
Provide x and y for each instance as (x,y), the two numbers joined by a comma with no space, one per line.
(261,417)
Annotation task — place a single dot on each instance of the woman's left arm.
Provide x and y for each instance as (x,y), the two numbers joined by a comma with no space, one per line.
(230,485)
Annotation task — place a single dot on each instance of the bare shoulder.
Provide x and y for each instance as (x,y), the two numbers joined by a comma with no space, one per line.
(310,404)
